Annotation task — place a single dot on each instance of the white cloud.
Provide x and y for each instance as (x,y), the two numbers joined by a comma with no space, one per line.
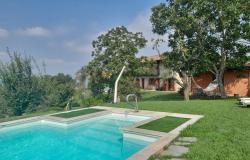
(61,30)
(142,23)
(3,33)
(35,32)
(3,53)
(78,47)
(56,62)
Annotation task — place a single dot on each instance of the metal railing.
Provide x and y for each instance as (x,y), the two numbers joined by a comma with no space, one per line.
(131,104)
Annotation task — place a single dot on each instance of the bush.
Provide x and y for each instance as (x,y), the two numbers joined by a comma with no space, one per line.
(3,107)
(96,100)
(128,85)
(86,98)
(2,116)
(21,89)
(59,89)
(75,103)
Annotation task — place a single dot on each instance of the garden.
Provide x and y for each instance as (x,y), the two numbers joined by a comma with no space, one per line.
(203,36)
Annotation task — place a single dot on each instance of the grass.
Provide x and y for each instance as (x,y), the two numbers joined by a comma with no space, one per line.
(160,96)
(223,133)
(77,113)
(164,124)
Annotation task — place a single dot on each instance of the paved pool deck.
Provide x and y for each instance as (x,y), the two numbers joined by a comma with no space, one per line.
(163,138)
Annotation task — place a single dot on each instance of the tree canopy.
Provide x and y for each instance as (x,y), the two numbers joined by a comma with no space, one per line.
(113,50)
(59,90)
(205,35)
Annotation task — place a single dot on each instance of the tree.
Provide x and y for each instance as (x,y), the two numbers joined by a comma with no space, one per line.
(205,31)
(176,19)
(82,77)
(21,89)
(113,50)
(216,29)
(59,89)
(227,24)
(4,109)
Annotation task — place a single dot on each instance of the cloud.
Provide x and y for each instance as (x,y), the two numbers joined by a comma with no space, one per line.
(4,56)
(3,33)
(53,62)
(35,32)
(78,47)
(142,23)
(62,30)
(3,53)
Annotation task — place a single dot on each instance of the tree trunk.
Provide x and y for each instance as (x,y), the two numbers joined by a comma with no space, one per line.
(220,80)
(187,87)
(186,94)
(195,83)
(220,74)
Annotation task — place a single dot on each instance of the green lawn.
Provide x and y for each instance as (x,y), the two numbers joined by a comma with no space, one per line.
(77,113)
(164,124)
(224,132)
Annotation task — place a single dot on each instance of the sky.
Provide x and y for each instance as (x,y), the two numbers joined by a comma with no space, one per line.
(59,32)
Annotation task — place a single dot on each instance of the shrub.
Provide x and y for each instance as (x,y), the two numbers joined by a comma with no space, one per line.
(128,85)
(98,99)
(86,98)
(59,89)
(2,115)
(21,89)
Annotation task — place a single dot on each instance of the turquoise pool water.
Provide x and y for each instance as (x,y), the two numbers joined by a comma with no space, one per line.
(94,139)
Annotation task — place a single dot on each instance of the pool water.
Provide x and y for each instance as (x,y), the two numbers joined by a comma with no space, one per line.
(94,139)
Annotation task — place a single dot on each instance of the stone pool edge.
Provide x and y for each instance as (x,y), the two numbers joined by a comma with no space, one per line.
(51,118)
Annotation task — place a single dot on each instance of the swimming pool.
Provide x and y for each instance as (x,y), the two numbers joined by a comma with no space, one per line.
(98,138)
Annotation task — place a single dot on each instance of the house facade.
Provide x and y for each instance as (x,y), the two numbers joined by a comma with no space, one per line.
(236,82)
(155,80)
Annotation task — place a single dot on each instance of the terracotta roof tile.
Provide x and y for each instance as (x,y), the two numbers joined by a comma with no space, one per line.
(153,58)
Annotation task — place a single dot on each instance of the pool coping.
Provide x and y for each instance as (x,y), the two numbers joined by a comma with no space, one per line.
(156,147)
(52,118)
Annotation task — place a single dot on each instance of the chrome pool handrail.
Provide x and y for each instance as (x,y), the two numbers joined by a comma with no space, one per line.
(130,104)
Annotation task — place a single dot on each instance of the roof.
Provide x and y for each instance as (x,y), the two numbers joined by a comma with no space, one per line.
(154,58)
(158,58)
(247,64)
